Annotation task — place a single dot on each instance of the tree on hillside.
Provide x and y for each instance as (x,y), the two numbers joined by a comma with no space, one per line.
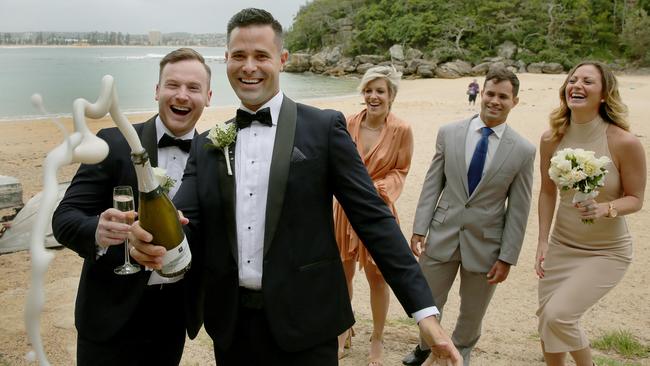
(564,31)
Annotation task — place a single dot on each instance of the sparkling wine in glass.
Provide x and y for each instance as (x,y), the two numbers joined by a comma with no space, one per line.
(123,201)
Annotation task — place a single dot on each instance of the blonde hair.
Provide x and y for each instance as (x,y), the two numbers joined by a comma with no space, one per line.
(388,73)
(612,109)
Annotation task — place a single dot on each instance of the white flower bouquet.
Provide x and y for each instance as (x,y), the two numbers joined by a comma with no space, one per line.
(222,135)
(579,170)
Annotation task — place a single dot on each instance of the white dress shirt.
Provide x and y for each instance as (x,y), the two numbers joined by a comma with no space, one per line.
(253,153)
(473,137)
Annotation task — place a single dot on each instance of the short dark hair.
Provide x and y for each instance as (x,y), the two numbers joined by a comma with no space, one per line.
(254,16)
(183,54)
(499,74)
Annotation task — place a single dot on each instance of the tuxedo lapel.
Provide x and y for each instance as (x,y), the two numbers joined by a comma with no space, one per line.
(228,193)
(503,152)
(148,140)
(459,153)
(279,173)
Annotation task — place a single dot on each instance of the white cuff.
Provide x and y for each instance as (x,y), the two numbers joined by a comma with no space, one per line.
(426,312)
(100,250)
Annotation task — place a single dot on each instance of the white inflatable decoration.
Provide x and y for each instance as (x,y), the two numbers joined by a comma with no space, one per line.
(79,147)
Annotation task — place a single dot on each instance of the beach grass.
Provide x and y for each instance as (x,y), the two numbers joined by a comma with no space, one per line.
(622,342)
(605,361)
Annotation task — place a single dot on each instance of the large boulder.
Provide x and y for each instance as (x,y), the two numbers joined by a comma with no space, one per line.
(337,70)
(411,66)
(369,59)
(348,64)
(535,67)
(521,66)
(362,68)
(498,65)
(397,52)
(426,70)
(453,70)
(507,50)
(481,69)
(298,62)
(333,55)
(318,62)
(545,67)
(552,68)
(413,54)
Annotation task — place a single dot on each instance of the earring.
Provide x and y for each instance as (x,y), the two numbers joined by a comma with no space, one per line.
(602,100)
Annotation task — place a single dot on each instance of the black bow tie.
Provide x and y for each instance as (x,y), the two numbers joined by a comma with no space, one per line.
(167,140)
(244,119)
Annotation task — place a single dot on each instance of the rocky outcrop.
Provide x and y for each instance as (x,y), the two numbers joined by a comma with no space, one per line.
(298,62)
(369,59)
(545,67)
(413,54)
(552,68)
(362,68)
(413,63)
(453,70)
(396,52)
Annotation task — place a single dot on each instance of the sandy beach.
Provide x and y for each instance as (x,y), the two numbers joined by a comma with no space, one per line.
(510,326)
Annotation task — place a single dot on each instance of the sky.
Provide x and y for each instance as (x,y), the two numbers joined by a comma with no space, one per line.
(134,16)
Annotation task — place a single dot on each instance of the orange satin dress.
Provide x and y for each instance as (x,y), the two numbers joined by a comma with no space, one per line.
(388,163)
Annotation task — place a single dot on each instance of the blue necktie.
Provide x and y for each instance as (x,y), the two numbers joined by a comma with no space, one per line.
(475,171)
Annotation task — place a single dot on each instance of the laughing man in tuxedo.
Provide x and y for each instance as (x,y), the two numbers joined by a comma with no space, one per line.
(118,317)
(275,288)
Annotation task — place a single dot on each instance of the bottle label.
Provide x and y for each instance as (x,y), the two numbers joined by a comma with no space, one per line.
(176,261)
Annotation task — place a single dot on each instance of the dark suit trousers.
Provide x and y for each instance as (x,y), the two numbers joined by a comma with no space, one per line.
(155,334)
(253,344)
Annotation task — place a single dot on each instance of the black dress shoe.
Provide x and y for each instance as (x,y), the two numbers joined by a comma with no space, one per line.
(416,357)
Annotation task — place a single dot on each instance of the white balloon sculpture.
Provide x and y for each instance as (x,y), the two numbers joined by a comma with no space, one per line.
(79,147)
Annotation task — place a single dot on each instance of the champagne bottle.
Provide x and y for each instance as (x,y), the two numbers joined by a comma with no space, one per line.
(159,217)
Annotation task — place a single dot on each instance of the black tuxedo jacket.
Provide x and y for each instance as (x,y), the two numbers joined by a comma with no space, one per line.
(305,295)
(106,301)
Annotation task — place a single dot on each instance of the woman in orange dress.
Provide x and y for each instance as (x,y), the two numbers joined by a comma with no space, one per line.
(385,144)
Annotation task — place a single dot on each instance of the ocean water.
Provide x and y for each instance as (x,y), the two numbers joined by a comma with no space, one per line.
(62,75)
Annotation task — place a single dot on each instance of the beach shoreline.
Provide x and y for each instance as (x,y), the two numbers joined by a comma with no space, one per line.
(510,326)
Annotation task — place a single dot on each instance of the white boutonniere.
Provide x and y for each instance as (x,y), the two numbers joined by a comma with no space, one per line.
(222,135)
(165,181)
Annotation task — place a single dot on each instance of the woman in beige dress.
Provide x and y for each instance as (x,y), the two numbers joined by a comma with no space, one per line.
(581,262)
(385,144)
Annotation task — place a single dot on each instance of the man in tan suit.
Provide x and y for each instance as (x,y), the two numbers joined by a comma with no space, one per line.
(473,209)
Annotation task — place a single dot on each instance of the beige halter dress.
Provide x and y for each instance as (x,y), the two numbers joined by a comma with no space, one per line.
(584,261)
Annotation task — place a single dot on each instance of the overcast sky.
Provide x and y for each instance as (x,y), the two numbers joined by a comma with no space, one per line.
(134,16)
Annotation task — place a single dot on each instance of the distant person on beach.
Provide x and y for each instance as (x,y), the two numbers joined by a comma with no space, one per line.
(472,91)
(275,289)
(580,262)
(473,209)
(385,144)
(136,319)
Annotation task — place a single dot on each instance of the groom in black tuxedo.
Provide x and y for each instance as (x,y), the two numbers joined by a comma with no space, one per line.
(275,291)
(118,317)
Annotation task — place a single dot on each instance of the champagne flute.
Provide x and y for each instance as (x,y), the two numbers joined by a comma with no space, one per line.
(123,201)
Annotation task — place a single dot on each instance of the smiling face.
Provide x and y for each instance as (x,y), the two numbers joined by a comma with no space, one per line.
(182,93)
(497,99)
(378,98)
(253,64)
(584,90)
